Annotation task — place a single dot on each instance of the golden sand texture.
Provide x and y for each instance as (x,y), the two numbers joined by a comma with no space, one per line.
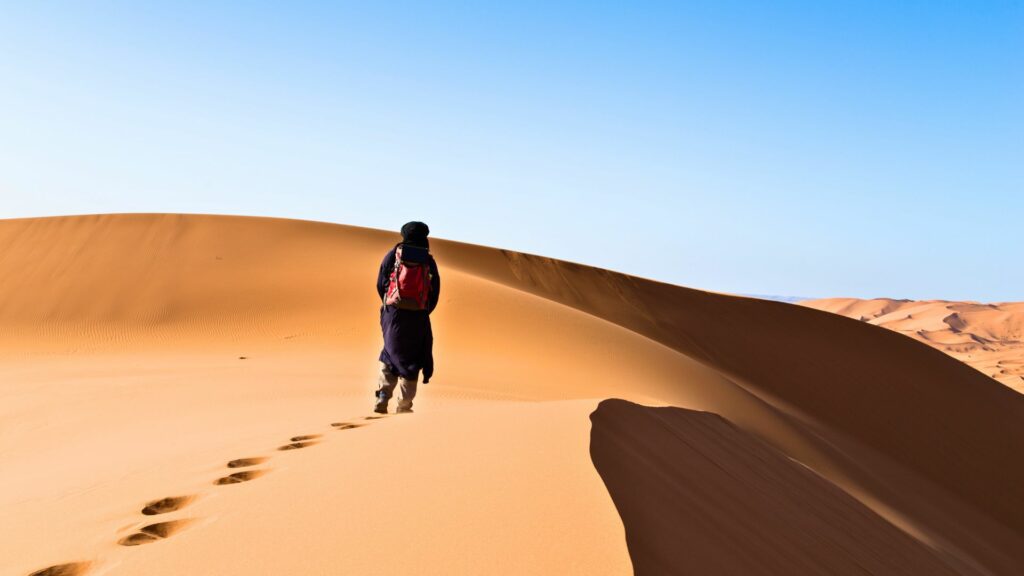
(191,395)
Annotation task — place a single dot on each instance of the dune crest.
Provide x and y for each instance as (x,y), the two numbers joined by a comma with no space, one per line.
(217,370)
(988,337)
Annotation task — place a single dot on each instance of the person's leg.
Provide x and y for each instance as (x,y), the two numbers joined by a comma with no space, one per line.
(386,383)
(406,393)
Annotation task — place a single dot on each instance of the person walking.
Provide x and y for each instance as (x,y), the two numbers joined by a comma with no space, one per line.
(409,287)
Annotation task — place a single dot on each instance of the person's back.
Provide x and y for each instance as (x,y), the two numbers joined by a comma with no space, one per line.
(409,287)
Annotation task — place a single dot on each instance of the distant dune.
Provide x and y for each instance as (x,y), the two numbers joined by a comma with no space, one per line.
(989,337)
(190,395)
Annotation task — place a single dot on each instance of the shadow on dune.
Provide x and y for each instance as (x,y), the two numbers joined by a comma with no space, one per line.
(926,439)
(697,495)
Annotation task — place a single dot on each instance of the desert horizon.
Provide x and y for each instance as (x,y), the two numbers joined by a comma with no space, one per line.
(986,336)
(177,386)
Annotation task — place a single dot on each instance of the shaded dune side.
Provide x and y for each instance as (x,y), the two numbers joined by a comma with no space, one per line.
(934,415)
(681,479)
(989,337)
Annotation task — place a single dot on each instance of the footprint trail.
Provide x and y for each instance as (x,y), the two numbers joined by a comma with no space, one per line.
(160,530)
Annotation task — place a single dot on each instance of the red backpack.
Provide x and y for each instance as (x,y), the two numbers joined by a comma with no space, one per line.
(409,286)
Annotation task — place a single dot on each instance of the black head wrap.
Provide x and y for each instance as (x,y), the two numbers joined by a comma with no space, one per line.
(415,234)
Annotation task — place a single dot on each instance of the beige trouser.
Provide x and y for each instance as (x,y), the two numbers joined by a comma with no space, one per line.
(386,387)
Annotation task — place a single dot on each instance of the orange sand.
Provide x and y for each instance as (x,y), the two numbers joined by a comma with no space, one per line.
(989,337)
(802,442)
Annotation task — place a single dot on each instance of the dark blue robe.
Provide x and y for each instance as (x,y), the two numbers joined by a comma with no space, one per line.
(408,339)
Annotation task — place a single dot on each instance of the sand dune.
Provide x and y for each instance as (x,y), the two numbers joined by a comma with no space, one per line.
(989,337)
(189,394)
(712,474)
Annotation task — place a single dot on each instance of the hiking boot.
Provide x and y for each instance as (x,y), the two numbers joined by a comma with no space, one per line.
(403,411)
(381,409)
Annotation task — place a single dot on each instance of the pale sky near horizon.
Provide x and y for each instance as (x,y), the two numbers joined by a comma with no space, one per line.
(871,148)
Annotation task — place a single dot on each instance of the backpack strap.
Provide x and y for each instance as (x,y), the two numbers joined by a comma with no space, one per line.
(393,278)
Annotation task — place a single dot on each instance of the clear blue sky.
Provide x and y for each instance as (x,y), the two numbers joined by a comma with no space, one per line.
(797,148)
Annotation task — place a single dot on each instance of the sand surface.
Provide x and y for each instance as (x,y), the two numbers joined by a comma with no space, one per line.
(989,337)
(152,368)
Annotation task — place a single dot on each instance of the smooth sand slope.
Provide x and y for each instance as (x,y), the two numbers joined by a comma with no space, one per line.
(190,395)
(989,337)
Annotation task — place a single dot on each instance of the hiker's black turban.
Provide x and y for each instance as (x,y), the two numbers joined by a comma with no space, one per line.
(415,233)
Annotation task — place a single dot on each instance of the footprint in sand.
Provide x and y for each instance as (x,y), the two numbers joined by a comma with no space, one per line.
(166,505)
(300,442)
(344,425)
(72,569)
(246,462)
(153,532)
(295,445)
(239,477)
(372,417)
